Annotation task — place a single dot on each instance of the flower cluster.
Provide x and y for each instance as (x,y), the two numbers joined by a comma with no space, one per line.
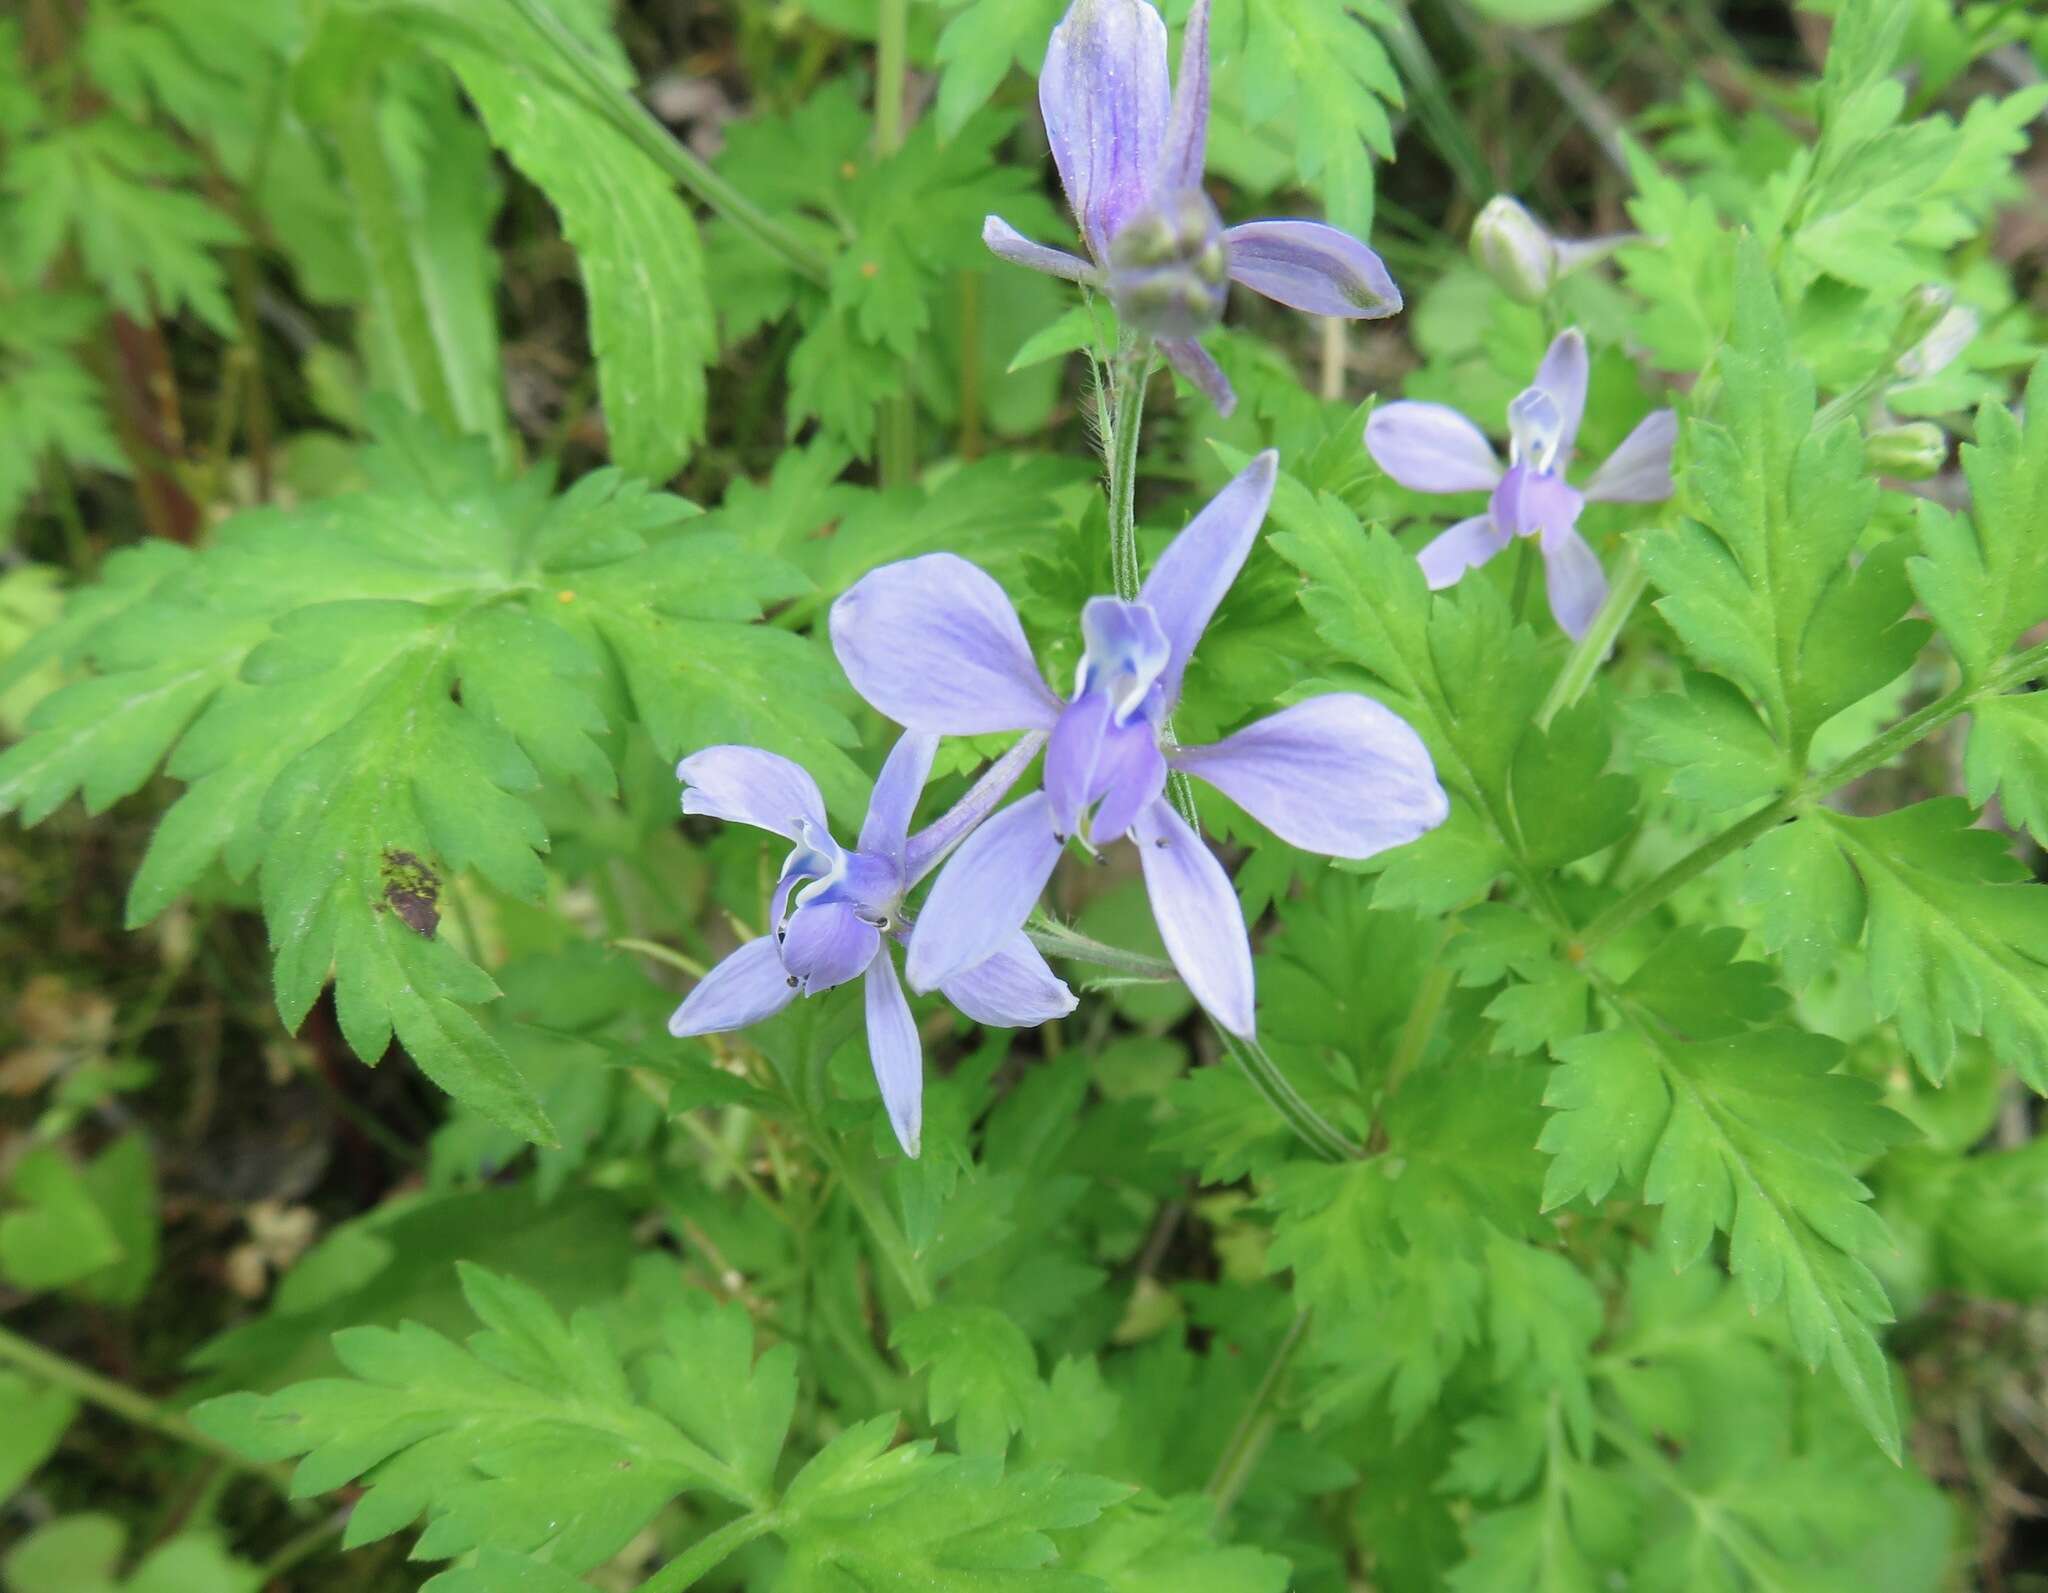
(935,644)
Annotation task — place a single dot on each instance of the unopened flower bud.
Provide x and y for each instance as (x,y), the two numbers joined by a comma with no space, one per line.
(1938,349)
(1169,269)
(1911,452)
(1925,306)
(1511,246)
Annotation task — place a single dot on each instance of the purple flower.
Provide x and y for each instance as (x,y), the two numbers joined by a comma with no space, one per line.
(1432,448)
(848,905)
(1130,160)
(933,643)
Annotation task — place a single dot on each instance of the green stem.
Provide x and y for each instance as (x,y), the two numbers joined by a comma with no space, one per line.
(1631,580)
(896,428)
(1133,370)
(131,1406)
(1310,1126)
(305,1545)
(381,222)
(1873,754)
(1057,940)
(1254,1428)
(686,1568)
(645,132)
(882,1225)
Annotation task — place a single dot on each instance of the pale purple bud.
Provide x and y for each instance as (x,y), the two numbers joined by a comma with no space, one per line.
(1511,246)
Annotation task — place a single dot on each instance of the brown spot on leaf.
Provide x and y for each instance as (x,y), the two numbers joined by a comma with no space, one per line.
(412,890)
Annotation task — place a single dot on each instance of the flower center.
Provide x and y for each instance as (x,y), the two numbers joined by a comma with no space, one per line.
(1124,652)
(1169,268)
(1535,430)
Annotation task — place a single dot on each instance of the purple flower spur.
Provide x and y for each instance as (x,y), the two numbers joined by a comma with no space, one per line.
(933,643)
(1130,159)
(1433,448)
(849,905)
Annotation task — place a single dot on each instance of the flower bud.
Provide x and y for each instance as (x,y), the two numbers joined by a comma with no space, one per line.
(1925,306)
(1169,269)
(1511,246)
(1937,350)
(1911,452)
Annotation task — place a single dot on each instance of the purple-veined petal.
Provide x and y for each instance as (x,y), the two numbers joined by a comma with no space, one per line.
(1194,572)
(746,785)
(984,893)
(1103,92)
(1465,546)
(1310,266)
(1071,756)
(1528,502)
(1563,376)
(1431,448)
(748,986)
(1187,124)
(827,943)
(1093,760)
(1194,363)
(1007,242)
(1341,775)
(928,848)
(1639,471)
(1014,989)
(1130,776)
(896,1053)
(886,830)
(933,643)
(1198,915)
(1573,577)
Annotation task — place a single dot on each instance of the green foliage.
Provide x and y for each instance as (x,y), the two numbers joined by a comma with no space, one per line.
(346,690)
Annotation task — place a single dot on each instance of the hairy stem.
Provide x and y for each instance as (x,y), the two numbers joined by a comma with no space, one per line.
(1057,940)
(1120,449)
(1314,1130)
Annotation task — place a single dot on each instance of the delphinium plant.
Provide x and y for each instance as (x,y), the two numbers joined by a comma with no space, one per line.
(998,951)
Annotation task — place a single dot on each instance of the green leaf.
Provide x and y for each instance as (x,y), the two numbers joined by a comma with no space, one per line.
(49,402)
(1569,804)
(1762,587)
(54,1232)
(1752,1135)
(1957,934)
(978,48)
(1167,1546)
(1984,577)
(1721,756)
(861,1516)
(103,186)
(368,695)
(532,1436)
(82,1554)
(2007,757)
(38,1415)
(983,1369)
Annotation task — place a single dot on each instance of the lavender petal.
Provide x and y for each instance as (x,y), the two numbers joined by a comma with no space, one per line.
(1573,577)
(748,986)
(1639,471)
(1341,775)
(886,830)
(826,944)
(1529,501)
(1431,448)
(1194,572)
(984,894)
(1187,123)
(896,1053)
(929,847)
(1198,915)
(1309,266)
(1202,372)
(1007,242)
(1014,989)
(933,643)
(745,785)
(1104,95)
(1465,546)
(1563,376)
